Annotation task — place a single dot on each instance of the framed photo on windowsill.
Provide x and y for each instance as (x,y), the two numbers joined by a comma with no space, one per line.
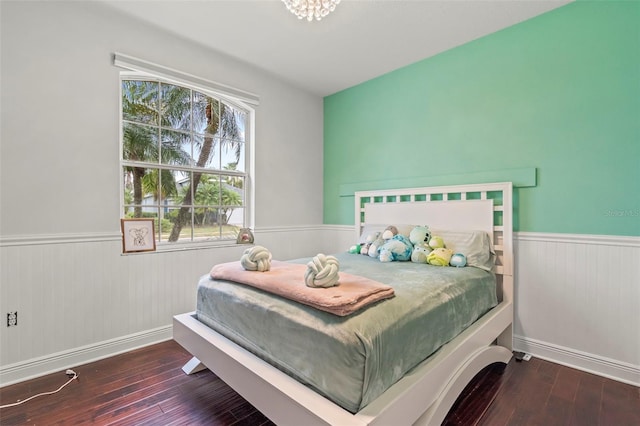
(137,235)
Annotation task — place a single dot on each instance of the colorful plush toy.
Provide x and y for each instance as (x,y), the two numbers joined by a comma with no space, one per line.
(420,252)
(389,232)
(397,248)
(458,260)
(436,242)
(364,249)
(419,237)
(355,249)
(440,257)
(420,234)
(374,249)
(384,236)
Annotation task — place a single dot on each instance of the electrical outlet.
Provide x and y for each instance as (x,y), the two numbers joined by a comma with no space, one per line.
(12,319)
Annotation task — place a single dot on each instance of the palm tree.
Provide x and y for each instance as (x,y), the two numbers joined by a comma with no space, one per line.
(235,181)
(138,145)
(140,103)
(221,125)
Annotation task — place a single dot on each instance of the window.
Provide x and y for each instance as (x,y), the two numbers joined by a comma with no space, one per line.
(184,160)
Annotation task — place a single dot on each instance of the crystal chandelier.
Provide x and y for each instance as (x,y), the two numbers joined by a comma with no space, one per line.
(310,9)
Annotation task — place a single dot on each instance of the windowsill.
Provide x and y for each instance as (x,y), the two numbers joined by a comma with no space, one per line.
(167,248)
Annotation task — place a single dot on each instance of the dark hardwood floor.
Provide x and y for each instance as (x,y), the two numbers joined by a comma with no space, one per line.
(148,387)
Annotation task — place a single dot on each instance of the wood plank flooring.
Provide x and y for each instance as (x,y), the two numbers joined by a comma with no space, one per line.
(148,387)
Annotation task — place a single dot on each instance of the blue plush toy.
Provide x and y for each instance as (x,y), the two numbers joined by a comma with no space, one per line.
(458,260)
(397,248)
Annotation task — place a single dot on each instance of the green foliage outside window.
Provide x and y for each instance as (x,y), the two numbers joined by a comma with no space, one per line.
(183,156)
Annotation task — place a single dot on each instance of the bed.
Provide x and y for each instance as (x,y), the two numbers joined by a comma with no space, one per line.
(427,388)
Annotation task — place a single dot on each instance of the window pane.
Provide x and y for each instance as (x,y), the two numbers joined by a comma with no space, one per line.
(140,101)
(233,123)
(139,191)
(240,166)
(205,114)
(232,191)
(206,151)
(176,107)
(209,230)
(181,181)
(235,220)
(207,192)
(232,153)
(176,148)
(180,224)
(139,143)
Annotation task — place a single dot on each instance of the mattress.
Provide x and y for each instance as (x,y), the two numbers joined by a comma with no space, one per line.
(352,360)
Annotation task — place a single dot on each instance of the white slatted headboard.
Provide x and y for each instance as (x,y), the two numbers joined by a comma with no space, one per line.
(487,207)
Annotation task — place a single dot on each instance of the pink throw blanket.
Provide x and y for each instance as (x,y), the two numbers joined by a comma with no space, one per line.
(287,280)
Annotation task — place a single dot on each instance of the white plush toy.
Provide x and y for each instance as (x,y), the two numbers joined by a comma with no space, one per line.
(419,237)
(364,249)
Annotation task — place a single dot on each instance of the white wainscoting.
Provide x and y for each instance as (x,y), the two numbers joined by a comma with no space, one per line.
(578,302)
(78,299)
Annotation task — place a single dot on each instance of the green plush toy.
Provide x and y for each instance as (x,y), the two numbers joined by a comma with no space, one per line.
(436,242)
(420,234)
(419,237)
(440,257)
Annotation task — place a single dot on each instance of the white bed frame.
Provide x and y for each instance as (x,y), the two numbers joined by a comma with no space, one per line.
(426,394)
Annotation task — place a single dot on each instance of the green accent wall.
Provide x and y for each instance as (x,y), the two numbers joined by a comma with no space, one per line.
(558,94)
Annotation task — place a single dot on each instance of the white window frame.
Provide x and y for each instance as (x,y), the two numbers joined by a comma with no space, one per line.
(244,102)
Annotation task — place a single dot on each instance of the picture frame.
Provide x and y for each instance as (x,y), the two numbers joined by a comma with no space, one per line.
(138,235)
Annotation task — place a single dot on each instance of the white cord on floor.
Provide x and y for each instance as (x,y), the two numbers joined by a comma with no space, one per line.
(73,376)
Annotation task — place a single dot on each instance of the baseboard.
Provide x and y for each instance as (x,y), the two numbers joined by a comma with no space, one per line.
(71,358)
(601,366)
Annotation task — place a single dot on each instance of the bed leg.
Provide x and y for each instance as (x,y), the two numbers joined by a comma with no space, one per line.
(193,366)
(506,338)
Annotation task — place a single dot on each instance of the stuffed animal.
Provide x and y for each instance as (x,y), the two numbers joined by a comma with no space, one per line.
(436,242)
(389,232)
(440,257)
(419,237)
(355,249)
(374,248)
(420,234)
(364,248)
(458,260)
(397,248)
(420,252)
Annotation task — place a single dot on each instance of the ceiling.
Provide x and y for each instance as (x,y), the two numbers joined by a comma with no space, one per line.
(360,40)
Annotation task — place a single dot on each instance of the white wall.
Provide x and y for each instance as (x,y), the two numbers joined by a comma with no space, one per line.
(77,297)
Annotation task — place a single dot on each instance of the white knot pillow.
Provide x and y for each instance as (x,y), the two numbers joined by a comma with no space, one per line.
(322,271)
(256,258)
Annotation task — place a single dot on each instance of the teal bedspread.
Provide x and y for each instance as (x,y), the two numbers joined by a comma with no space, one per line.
(352,360)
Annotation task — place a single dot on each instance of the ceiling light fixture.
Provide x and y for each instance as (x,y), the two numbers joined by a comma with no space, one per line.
(309,9)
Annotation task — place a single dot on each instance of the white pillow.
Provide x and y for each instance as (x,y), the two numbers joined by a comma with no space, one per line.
(475,245)
(369,229)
